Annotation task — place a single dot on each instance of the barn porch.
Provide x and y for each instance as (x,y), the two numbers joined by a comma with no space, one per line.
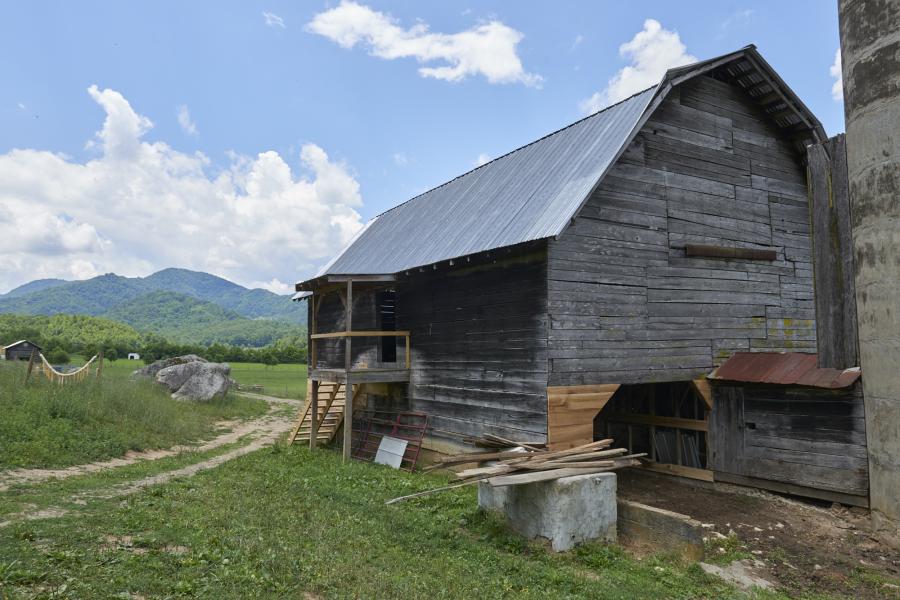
(335,365)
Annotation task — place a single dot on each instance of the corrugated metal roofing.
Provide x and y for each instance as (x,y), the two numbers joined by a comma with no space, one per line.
(531,193)
(528,194)
(783,368)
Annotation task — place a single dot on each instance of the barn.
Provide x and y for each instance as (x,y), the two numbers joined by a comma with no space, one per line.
(20,350)
(585,284)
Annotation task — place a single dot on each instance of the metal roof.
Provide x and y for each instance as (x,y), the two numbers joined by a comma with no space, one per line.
(525,195)
(17,343)
(534,192)
(783,368)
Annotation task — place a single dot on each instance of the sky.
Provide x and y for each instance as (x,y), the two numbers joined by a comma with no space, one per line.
(253,140)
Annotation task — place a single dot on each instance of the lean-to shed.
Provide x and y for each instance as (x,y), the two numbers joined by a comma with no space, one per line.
(604,268)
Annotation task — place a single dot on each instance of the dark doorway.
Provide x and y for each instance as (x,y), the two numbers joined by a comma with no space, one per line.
(669,421)
(387,321)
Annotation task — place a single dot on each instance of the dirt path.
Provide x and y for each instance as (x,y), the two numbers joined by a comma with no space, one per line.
(265,430)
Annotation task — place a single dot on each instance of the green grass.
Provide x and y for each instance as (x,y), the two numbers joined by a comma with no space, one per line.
(46,425)
(283,381)
(284,521)
(65,493)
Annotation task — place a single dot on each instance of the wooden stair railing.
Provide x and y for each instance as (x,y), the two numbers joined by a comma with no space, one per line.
(330,412)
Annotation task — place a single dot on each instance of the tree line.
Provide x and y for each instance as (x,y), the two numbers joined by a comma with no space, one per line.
(60,336)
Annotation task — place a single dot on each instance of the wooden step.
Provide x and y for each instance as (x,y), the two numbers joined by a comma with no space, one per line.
(330,411)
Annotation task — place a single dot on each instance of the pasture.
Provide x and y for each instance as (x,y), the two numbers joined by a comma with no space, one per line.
(288,523)
(47,425)
(282,381)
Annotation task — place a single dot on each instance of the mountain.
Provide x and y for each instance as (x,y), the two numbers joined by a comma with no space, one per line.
(181,305)
(99,295)
(34,286)
(255,303)
(89,297)
(185,319)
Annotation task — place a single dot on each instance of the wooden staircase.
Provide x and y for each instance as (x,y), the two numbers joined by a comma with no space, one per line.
(330,413)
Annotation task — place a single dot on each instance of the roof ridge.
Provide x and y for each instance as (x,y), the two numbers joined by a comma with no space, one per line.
(522,147)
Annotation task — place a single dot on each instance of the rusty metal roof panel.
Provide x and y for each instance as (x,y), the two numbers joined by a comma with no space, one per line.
(783,368)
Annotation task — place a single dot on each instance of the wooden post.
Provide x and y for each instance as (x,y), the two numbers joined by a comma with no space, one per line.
(314,306)
(407,351)
(100,365)
(348,385)
(30,366)
(314,415)
(832,254)
(652,401)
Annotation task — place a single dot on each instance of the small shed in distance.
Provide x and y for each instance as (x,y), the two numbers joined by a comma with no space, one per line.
(20,350)
(134,356)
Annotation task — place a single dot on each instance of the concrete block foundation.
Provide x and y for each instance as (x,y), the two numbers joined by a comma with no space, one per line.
(642,525)
(565,511)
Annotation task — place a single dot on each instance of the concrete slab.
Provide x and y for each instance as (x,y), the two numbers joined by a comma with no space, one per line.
(642,525)
(565,511)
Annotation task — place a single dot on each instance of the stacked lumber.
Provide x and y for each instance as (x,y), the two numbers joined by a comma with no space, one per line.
(495,441)
(521,464)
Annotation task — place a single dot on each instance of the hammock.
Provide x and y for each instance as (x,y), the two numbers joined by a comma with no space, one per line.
(53,375)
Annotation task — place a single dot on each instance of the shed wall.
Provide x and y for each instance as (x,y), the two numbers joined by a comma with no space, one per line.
(625,303)
(793,436)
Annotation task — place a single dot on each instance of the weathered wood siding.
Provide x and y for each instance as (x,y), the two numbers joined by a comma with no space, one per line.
(791,435)
(829,196)
(479,347)
(332,317)
(625,303)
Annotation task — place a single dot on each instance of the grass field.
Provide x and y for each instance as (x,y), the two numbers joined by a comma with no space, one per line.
(284,381)
(46,425)
(282,522)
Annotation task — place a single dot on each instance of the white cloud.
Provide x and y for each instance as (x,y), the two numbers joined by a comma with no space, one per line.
(400,159)
(652,51)
(275,285)
(22,106)
(837,88)
(739,18)
(488,49)
(140,206)
(185,121)
(576,42)
(273,20)
(482,159)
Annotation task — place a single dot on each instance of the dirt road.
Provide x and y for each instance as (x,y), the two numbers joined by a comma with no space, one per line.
(261,432)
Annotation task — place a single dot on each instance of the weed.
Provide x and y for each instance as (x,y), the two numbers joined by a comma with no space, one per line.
(47,425)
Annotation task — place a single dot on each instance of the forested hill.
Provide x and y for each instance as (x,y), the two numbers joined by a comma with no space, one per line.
(104,294)
(187,320)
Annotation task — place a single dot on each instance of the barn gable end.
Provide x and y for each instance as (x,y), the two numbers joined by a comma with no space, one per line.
(626,302)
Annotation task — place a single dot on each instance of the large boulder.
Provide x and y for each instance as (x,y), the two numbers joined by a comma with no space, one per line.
(152,369)
(196,380)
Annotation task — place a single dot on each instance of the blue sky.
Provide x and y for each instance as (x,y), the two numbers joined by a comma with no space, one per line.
(306,119)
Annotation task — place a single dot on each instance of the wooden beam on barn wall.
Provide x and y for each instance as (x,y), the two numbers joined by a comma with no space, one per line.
(704,390)
(571,410)
(832,254)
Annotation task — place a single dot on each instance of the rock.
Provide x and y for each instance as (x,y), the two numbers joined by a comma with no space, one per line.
(152,369)
(196,380)
(738,573)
